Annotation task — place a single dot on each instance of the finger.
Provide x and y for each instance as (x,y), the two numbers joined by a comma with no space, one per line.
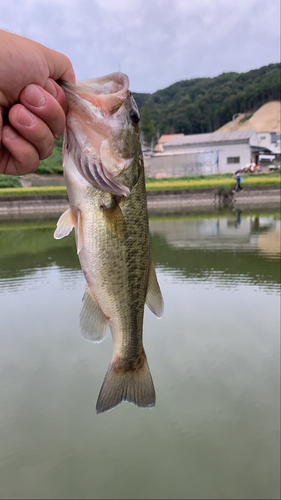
(33,129)
(19,156)
(51,109)
(56,91)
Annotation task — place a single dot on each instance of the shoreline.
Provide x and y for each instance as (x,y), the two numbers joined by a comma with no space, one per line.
(164,201)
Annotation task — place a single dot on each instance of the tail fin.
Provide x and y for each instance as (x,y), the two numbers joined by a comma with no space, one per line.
(134,385)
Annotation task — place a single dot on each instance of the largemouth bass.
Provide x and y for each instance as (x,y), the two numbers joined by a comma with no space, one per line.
(104,174)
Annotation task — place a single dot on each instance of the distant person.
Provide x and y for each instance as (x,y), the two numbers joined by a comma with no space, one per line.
(238,218)
(32,104)
(238,182)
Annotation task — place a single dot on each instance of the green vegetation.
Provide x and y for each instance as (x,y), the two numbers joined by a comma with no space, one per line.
(33,191)
(246,118)
(164,180)
(204,104)
(147,127)
(53,164)
(209,181)
(9,181)
(152,184)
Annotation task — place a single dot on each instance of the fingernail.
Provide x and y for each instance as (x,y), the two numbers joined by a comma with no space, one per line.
(11,134)
(34,96)
(51,88)
(57,137)
(25,118)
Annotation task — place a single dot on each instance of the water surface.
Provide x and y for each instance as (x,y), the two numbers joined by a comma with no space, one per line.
(214,358)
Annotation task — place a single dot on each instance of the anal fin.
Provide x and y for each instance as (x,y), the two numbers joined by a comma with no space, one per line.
(154,299)
(93,324)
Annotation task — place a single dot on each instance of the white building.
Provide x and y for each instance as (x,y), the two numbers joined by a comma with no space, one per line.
(271,141)
(264,139)
(234,149)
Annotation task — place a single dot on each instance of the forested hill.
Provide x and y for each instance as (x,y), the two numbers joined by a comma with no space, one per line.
(205,104)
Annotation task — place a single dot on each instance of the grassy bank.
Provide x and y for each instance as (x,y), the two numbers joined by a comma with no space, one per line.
(33,191)
(208,181)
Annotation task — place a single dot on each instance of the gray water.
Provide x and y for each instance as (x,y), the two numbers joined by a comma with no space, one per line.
(214,358)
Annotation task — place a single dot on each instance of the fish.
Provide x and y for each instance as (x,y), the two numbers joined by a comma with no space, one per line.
(104,174)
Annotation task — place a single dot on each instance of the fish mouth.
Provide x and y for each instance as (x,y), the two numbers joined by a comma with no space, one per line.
(92,107)
(106,94)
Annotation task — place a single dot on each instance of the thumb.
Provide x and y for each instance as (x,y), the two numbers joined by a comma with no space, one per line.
(59,65)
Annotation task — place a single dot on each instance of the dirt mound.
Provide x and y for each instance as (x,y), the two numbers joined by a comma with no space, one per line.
(265,119)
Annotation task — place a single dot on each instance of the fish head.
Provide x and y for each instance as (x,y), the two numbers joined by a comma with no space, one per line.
(102,132)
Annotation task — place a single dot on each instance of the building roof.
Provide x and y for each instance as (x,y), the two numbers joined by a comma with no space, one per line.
(168,137)
(165,138)
(213,137)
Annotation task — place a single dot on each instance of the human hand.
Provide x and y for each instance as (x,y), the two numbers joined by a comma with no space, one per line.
(32,104)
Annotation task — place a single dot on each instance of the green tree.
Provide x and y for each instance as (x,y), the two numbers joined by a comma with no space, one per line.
(147,126)
(204,104)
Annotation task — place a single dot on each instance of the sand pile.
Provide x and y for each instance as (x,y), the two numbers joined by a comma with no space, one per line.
(265,119)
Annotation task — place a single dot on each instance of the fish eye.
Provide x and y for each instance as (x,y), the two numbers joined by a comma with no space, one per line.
(134,115)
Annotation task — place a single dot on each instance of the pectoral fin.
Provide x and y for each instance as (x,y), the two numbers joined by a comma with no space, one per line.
(154,299)
(93,324)
(67,221)
(65,224)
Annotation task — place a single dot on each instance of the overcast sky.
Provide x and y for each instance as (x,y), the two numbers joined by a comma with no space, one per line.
(155,42)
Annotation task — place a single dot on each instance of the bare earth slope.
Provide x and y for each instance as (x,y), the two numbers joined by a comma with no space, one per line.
(265,119)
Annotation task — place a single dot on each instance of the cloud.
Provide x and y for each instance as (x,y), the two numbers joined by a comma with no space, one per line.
(156,42)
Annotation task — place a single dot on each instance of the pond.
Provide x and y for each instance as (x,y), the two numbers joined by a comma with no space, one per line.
(214,358)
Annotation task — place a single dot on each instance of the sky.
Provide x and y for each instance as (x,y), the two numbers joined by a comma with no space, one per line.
(155,42)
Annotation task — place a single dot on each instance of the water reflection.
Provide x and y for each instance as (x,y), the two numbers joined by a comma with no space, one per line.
(214,357)
(193,248)
(217,232)
(219,250)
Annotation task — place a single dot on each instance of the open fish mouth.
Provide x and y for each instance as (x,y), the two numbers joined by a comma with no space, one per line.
(93,114)
(106,94)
